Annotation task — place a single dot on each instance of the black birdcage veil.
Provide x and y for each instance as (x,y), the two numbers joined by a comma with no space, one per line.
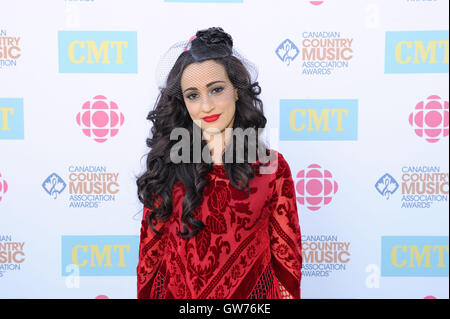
(212,43)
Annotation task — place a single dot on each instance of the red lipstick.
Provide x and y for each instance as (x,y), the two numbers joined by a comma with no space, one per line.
(211,118)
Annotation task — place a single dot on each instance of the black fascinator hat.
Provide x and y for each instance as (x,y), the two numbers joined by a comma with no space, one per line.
(211,43)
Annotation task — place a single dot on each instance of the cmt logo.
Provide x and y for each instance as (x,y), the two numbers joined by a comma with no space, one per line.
(206,1)
(416,52)
(11,119)
(421,256)
(323,120)
(100,255)
(97,51)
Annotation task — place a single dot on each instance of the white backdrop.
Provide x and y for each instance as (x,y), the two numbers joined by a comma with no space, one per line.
(378,242)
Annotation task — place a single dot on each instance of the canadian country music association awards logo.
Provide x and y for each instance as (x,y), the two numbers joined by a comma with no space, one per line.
(324,254)
(322,52)
(430,119)
(287,51)
(12,254)
(10,50)
(89,185)
(100,119)
(421,186)
(3,187)
(386,185)
(54,185)
(316,187)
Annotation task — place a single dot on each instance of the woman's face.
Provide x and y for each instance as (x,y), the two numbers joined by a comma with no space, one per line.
(208,91)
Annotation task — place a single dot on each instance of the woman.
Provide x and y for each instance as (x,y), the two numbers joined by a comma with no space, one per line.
(215,228)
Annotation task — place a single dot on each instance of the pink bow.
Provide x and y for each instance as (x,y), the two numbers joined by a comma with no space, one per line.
(190,40)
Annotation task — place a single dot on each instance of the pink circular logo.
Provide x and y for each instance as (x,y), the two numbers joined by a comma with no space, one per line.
(316,187)
(430,119)
(429,297)
(102,297)
(316,3)
(3,187)
(100,119)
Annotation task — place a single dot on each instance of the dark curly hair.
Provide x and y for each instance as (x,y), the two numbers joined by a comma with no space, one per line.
(156,183)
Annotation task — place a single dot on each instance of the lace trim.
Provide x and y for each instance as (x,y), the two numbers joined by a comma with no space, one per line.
(284,293)
(158,287)
(264,288)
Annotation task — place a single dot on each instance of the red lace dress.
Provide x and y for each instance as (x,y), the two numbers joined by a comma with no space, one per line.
(249,249)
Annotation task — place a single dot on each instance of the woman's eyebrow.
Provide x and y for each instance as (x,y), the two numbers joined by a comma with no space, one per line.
(207,85)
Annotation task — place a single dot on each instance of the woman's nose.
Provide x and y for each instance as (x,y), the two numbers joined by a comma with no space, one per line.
(206,104)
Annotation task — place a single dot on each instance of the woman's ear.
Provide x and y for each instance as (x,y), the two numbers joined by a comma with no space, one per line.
(236,96)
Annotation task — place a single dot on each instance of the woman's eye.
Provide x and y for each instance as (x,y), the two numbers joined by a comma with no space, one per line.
(192,96)
(217,89)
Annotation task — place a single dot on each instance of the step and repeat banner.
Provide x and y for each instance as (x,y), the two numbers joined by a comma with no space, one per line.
(356,97)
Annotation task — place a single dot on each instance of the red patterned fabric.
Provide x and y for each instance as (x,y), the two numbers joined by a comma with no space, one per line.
(249,244)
